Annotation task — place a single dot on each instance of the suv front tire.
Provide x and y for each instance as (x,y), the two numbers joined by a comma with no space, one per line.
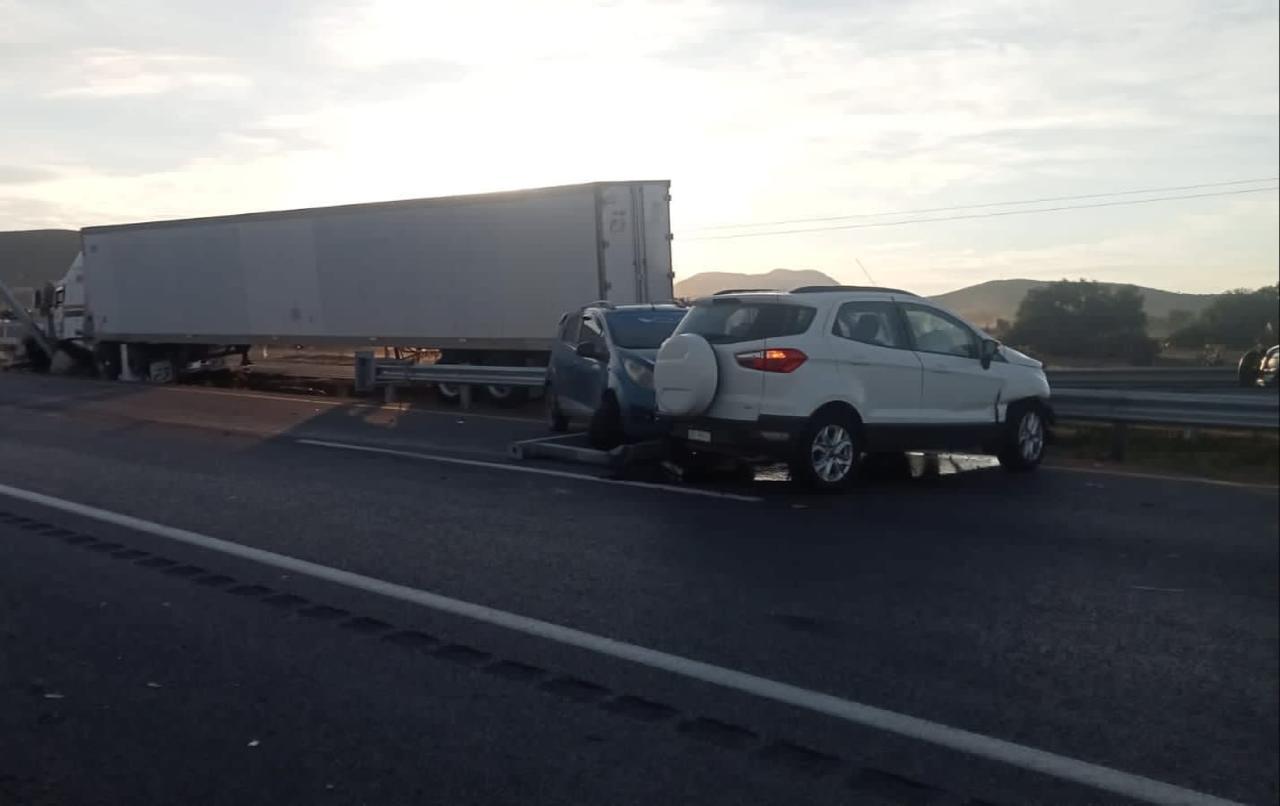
(1026,432)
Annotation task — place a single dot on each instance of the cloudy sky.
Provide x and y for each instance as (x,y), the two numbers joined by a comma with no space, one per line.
(758,111)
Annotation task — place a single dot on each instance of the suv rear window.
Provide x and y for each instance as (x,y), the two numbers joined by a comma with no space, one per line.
(727,320)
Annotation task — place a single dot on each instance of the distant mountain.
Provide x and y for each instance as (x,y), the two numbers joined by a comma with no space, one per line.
(709,282)
(31,258)
(984,303)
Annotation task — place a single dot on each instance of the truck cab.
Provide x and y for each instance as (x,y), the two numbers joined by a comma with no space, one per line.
(67,313)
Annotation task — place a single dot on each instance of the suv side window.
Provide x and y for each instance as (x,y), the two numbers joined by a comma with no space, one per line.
(935,332)
(870,322)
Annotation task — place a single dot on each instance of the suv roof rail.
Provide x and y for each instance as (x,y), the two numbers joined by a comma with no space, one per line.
(818,289)
(600,303)
(746,291)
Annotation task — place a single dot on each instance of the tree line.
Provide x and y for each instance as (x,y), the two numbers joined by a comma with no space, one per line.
(1086,319)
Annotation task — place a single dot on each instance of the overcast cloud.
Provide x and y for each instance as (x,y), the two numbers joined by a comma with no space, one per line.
(757,111)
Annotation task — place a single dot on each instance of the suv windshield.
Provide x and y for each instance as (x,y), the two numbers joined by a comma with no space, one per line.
(730,319)
(642,329)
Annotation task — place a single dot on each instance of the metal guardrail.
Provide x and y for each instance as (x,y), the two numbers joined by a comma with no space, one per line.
(405,373)
(1259,410)
(1167,378)
(1246,408)
(388,373)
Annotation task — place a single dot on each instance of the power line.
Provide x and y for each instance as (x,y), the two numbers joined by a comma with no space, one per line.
(1044,200)
(977,215)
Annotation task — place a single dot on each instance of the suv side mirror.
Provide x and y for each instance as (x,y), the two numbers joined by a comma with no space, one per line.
(589,349)
(988,349)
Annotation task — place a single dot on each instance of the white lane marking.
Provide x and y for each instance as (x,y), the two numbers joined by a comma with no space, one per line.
(1132,474)
(462,414)
(538,471)
(552,438)
(1016,755)
(303,400)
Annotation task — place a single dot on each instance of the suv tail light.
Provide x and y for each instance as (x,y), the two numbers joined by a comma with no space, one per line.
(783,360)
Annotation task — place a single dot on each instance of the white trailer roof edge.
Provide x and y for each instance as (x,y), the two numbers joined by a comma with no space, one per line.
(469,198)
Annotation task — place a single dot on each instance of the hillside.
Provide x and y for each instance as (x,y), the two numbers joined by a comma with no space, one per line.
(709,282)
(32,258)
(984,303)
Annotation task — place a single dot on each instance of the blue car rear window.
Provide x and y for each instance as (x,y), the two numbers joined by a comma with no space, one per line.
(642,330)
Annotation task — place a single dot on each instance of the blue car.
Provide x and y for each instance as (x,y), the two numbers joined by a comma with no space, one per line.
(601,370)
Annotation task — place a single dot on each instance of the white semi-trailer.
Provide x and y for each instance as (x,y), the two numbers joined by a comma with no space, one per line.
(484,278)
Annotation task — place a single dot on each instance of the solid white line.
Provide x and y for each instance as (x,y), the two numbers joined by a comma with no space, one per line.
(1028,758)
(537,471)
(284,398)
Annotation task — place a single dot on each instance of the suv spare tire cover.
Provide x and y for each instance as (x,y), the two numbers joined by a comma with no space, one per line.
(685,375)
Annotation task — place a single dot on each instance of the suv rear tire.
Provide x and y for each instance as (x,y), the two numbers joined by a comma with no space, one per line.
(826,458)
(1025,435)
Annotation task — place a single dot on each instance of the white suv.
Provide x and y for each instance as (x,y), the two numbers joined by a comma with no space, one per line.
(818,376)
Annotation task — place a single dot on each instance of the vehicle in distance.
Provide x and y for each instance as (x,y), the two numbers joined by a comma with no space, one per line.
(1269,367)
(820,376)
(1258,367)
(475,277)
(601,369)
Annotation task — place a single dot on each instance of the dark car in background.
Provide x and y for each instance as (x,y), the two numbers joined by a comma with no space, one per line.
(1269,367)
(601,370)
(1258,367)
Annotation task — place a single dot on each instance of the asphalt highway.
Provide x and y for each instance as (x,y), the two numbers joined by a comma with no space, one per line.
(1110,621)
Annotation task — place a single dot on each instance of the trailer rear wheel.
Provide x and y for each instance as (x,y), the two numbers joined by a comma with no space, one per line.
(449,392)
(507,396)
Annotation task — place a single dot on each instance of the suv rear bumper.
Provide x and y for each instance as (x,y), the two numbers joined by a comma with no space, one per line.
(767,437)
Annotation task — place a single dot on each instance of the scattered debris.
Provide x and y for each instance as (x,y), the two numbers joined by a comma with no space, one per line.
(53,695)
(1158,590)
(253,742)
(153,685)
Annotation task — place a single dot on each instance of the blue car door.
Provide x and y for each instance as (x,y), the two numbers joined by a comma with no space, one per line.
(560,369)
(587,375)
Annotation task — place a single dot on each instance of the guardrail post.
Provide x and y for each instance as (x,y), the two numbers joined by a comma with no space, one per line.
(389,394)
(366,371)
(464,395)
(126,365)
(1119,436)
